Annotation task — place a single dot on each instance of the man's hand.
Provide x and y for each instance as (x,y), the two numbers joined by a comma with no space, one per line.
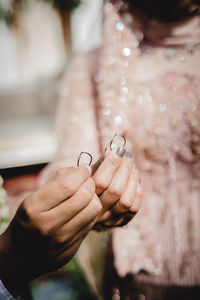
(48,227)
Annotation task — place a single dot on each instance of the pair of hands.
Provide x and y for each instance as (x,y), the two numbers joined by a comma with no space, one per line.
(52,222)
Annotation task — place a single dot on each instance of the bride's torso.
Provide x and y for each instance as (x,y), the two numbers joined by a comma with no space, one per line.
(163,126)
(151,94)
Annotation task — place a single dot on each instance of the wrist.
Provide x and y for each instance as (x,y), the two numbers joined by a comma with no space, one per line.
(10,272)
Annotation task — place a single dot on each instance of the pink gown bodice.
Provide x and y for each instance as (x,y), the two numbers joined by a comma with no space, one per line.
(149,92)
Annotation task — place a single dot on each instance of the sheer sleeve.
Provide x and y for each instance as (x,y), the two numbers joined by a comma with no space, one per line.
(76,120)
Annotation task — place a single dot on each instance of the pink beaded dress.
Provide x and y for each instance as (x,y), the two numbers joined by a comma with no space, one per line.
(144,82)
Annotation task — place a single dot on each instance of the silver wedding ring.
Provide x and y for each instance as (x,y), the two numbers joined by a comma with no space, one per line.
(83,153)
(116,135)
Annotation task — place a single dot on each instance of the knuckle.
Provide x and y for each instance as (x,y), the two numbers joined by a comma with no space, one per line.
(28,209)
(114,191)
(68,186)
(124,204)
(45,224)
(135,207)
(100,182)
(45,229)
(61,239)
(61,172)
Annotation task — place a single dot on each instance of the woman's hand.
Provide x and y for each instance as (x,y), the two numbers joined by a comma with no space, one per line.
(48,227)
(118,187)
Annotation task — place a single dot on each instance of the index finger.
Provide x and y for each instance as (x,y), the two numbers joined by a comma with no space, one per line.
(106,170)
(60,187)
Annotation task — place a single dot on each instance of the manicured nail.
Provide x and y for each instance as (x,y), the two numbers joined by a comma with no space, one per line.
(121,151)
(129,155)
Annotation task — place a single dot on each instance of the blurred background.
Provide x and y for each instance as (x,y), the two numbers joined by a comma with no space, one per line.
(37,40)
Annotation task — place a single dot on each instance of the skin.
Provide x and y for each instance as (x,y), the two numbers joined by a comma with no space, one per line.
(117,186)
(52,222)
(48,228)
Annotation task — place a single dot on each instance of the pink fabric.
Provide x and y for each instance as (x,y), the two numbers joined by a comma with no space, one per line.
(150,92)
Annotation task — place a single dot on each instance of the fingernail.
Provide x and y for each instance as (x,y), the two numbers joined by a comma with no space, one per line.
(121,151)
(139,186)
(129,155)
(105,151)
(89,169)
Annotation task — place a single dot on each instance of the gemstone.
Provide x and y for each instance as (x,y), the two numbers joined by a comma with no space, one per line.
(117,120)
(120,26)
(106,111)
(124,90)
(126,51)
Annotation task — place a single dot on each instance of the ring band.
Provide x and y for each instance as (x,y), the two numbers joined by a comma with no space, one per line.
(114,136)
(81,154)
